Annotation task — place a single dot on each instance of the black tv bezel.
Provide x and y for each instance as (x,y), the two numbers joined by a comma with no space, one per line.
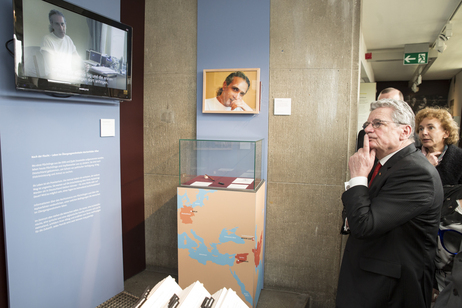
(43,85)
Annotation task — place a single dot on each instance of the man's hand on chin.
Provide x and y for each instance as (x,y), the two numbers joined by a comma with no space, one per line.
(362,161)
(240,103)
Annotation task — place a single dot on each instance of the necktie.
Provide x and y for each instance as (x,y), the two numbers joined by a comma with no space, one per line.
(376,170)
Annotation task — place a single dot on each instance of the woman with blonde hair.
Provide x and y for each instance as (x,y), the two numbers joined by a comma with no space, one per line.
(438,133)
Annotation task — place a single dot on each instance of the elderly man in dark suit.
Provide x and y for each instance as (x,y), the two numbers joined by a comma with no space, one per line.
(392,210)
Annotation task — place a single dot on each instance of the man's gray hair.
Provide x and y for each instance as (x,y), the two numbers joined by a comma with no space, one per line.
(54,12)
(402,112)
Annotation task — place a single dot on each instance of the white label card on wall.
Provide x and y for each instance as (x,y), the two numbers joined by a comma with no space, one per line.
(107,127)
(282,106)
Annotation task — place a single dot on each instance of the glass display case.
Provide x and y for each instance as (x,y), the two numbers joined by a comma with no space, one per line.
(221,164)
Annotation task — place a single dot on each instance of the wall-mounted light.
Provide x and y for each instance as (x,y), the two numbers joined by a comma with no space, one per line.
(448,30)
(441,43)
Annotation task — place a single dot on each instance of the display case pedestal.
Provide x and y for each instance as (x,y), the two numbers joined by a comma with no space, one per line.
(221,239)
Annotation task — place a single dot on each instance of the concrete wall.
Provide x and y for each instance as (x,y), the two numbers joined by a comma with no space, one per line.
(313,60)
(169,114)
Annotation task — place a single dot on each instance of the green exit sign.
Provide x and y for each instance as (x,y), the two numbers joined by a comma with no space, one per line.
(416,58)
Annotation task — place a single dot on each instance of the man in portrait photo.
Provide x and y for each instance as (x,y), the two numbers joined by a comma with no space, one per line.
(62,62)
(230,96)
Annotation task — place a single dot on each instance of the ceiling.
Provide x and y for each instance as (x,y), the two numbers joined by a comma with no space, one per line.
(387,26)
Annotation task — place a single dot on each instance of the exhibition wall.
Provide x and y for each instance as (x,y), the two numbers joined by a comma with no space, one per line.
(170,75)
(314,55)
(237,42)
(314,47)
(60,175)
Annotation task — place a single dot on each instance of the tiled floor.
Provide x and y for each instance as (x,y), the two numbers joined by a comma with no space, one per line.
(137,284)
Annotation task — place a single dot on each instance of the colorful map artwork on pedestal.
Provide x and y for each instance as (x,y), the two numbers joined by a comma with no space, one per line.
(220,242)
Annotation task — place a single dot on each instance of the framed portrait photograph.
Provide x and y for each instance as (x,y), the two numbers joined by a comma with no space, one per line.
(233,91)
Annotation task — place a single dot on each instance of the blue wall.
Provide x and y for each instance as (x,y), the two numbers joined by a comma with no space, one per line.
(234,34)
(78,261)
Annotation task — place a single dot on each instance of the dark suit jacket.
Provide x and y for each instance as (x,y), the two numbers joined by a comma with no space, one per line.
(450,168)
(388,258)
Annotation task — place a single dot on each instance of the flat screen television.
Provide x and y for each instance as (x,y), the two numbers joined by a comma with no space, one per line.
(64,49)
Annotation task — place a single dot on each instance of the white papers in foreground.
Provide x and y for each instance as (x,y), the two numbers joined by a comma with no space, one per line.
(160,295)
(168,294)
(227,298)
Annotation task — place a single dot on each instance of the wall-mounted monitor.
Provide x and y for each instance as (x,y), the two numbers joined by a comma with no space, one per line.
(64,49)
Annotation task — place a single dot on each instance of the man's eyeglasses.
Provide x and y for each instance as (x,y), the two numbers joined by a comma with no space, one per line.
(378,123)
(451,240)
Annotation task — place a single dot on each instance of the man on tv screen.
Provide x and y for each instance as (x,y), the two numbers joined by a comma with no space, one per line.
(62,62)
